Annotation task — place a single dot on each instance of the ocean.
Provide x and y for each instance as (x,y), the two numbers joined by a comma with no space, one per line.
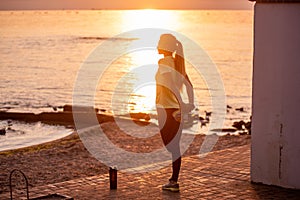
(41,53)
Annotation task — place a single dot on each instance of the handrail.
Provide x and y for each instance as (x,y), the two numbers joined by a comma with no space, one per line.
(10,185)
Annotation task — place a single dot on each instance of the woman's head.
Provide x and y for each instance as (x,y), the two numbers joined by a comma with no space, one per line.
(168,44)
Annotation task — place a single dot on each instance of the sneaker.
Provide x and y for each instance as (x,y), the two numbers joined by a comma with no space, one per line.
(171,186)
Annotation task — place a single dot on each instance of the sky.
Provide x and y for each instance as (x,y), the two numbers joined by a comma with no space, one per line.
(124,4)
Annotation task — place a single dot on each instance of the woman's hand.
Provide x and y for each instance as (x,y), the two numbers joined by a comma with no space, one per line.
(188,107)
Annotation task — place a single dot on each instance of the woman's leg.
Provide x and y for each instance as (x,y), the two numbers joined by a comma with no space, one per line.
(170,131)
(175,168)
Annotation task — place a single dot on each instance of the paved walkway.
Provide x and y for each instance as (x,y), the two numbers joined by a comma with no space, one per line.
(219,175)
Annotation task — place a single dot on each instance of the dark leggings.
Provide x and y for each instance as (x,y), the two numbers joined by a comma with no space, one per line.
(170,131)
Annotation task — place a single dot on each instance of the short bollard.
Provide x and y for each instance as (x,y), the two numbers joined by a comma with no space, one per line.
(113,178)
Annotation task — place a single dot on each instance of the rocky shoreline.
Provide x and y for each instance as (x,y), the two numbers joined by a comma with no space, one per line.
(64,115)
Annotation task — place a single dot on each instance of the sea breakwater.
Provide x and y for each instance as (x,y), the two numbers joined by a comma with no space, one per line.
(65,116)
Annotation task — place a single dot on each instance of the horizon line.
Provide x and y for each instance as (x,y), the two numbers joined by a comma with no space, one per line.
(112,9)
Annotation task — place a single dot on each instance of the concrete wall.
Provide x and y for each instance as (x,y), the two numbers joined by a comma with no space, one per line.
(275,158)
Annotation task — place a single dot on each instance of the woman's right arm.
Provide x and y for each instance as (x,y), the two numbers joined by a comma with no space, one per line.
(190,93)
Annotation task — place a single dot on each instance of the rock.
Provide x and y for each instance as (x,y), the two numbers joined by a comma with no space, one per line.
(141,119)
(9,122)
(203,121)
(207,114)
(144,116)
(228,130)
(2,131)
(240,125)
(241,109)
(69,108)
(243,133)
(248,125)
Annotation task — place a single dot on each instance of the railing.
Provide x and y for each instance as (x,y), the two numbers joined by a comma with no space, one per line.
(10,183)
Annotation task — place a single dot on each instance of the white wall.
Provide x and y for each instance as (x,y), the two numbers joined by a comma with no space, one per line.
(275,156)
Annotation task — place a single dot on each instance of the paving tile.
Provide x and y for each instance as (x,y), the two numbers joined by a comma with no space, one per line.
(222,175)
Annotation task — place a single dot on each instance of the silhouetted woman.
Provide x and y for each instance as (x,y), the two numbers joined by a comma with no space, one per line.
(170,78)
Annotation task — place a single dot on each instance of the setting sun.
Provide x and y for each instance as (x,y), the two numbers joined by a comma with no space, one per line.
(149,18)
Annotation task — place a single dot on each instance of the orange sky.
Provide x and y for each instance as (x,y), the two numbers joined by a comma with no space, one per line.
(124,4)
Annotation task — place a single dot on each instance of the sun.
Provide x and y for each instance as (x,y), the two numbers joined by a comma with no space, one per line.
(148,18)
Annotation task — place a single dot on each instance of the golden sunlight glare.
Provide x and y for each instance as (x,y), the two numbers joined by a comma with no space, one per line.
(143,99)
(148,18)
(143,96)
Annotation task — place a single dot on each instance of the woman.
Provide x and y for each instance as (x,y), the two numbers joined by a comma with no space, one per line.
(170,78)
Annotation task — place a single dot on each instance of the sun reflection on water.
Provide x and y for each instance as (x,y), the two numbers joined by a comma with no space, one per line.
(142,98)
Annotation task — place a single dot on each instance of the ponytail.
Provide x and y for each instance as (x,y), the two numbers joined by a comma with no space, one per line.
(179,62)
